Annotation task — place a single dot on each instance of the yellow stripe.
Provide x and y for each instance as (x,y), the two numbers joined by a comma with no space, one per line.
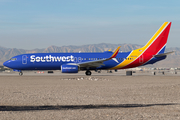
(136,53)
(133,55)
(156,34)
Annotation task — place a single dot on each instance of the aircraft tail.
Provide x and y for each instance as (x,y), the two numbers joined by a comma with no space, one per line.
(154,48)
(157,44)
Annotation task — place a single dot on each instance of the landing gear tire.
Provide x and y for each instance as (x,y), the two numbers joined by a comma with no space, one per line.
(21,73)
(88,73)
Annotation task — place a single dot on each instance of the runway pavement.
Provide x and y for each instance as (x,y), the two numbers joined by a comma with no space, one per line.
(100,96)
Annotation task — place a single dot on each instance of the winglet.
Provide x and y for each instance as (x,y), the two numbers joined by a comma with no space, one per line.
(115,53)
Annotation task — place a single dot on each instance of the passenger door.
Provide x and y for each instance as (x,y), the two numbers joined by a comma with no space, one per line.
(24,59)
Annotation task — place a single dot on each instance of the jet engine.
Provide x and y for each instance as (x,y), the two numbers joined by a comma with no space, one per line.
(69,68)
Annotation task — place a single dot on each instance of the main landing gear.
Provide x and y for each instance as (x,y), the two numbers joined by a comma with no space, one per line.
(88,72)
(20,73)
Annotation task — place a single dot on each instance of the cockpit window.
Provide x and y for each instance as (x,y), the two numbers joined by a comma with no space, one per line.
(13,59)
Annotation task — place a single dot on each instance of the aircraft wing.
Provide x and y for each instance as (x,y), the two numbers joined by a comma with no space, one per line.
(98,63)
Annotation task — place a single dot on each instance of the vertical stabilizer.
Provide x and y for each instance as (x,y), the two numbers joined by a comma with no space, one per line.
(156,45)
(158,42)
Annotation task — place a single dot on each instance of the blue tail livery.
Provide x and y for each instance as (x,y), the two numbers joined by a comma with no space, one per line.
(152,52)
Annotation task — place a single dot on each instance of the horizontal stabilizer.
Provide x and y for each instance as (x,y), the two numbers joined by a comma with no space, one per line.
(163,54)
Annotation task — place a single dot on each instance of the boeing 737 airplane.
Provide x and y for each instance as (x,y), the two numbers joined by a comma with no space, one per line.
(152,52)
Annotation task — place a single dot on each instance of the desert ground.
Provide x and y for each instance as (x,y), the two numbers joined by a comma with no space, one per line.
(103,96)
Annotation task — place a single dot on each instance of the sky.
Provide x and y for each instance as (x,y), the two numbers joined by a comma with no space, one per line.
(30,24)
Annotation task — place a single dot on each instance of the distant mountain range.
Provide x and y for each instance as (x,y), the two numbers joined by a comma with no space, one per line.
(171,61)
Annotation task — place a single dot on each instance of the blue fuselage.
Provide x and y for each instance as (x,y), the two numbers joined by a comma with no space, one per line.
(53,61)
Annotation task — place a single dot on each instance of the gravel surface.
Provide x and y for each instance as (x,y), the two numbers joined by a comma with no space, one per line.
(67,97)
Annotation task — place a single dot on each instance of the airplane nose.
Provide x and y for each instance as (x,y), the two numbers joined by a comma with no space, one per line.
(6,63)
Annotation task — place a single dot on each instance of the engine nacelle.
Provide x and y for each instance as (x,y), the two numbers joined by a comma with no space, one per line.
(69,68)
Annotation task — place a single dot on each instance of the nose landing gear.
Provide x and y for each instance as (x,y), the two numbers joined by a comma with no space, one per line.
(20,73)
